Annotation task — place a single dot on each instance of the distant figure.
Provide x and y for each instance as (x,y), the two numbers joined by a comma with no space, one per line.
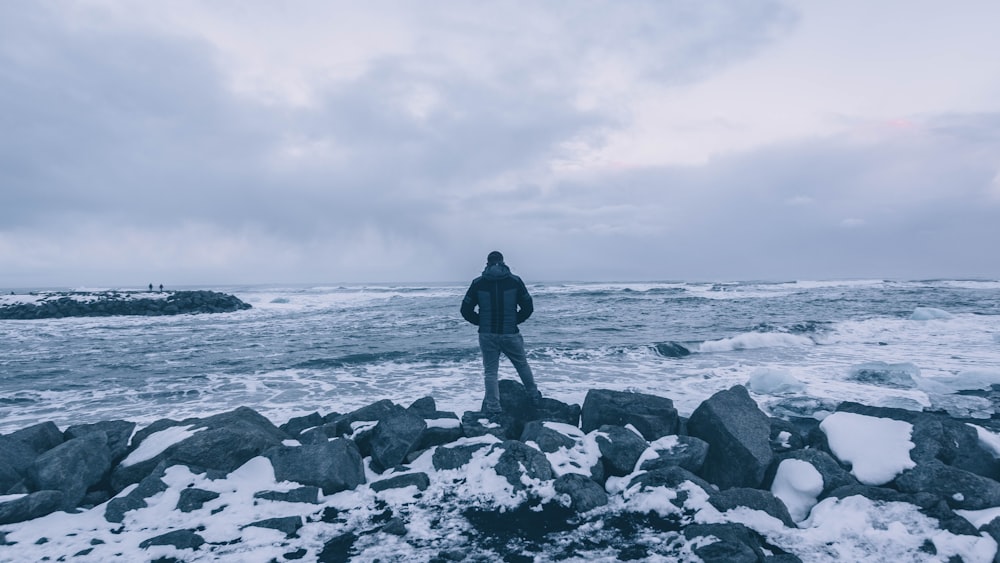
(503,302)
(161,288)
(150,287)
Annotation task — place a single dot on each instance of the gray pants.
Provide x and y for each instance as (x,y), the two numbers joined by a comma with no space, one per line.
(512,346)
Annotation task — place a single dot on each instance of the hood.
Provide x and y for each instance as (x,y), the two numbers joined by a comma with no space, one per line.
(496,271)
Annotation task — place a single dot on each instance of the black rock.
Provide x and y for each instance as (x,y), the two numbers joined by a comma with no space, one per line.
(584,493)
(371,413)
(548,440)
(734,543)
(738,436)
(181,539)
(309,495)
(395,526)
(672,350)
(959,488)
(620,449)
(289,525)
(418,480)
(396,435)
(118,432)
(40,437)
(192,499)
(296,425)
(72,467)
(30,506)
(669,477)
(519,460)
(654,417)
(333,466)
(15,459)
(503,426)
(752,498)
(151,485)
(833,474)
(454,457)
(424,407)
(437,435)
(689,453)
(515,401)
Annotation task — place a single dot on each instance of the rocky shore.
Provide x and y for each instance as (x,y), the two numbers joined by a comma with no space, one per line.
(622,476)
(108,303)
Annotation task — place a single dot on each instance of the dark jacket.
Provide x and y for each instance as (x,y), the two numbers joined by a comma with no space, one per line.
(502,298)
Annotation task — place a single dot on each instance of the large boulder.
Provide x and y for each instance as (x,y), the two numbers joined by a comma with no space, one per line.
(40,437)
(72,467)
(755,499)
(519,460)
(959,488)
(454,457)
(297,424)
(118,431)
(652,416)
(503,426)
(834,475)
(15,459)
(333,466)
(371,413)
(546,439)
(442,428)
(396,435)
(738,436)
(684,451)
(30,506)
(584,494)
(620,449)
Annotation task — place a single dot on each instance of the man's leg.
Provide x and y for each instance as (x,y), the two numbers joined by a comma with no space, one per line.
(489,344)
(513,347)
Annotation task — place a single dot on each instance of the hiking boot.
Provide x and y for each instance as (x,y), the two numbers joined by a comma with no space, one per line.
(492,409)
(535,396)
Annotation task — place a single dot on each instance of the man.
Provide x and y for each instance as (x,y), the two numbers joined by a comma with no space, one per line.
(503,302)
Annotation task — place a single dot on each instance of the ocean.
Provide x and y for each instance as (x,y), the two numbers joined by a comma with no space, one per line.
(801,346)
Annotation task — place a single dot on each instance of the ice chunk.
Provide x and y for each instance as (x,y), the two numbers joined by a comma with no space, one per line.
(877,448)
(774,382)
(929,314)
(798,484)
(900,376)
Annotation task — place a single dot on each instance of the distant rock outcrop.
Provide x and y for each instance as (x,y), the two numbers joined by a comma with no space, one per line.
(111,303)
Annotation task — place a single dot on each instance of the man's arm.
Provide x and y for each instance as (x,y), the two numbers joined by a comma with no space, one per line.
(525,304)
(469,303)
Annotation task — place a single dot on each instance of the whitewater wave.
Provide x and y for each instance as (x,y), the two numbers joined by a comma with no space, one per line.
(755,340)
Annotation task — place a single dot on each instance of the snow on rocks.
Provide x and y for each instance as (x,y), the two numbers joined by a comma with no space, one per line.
(388,482)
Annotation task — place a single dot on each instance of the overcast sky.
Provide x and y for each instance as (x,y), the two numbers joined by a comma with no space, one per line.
(230,142)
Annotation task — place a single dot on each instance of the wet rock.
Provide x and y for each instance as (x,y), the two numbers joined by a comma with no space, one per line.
(553,410)
(192,499)
(654,417)
(620,449)
(418,480)
(548,440)
(519,460)
(425,407)
(118,432)
(395,526)
(180,539)
(30,506)
(688,452)
(333,466)
(584,493)
(738,435)
(296,425)
(755,499)
(40,437)
(288,525)
(672,350)
(15,459)
(454,457)
(396,435)
(374,412)
(443,428)
(959,488)
(72,467)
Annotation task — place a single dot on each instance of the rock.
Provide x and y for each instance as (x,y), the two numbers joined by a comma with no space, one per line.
(959,488)
(373,412)
(118,431)
(671,478)
(288,525)
(584,493)
(15,459)
(418,480)
(880,494)
(755,499)
(738,437)
(786,436)
(556,411)
(103,304)
(308,495)
(505,427)
(454,457)
(519,460)
(396,435)
(899,376)
(735,543)
(395,526)
(425,407)
(151,485)
(333,466)
(180,539)
(193,498)
(40,437)
(515,401)
(654,417)
(72,467)
(547,439)
(620,449)
(833,474)
(689,453)
(296,425)
(672,350)
(30,506)
(444,428)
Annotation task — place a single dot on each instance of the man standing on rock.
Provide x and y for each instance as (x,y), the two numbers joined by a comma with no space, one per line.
(503,302)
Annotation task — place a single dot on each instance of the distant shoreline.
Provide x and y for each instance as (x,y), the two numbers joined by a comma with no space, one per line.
(59,304)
